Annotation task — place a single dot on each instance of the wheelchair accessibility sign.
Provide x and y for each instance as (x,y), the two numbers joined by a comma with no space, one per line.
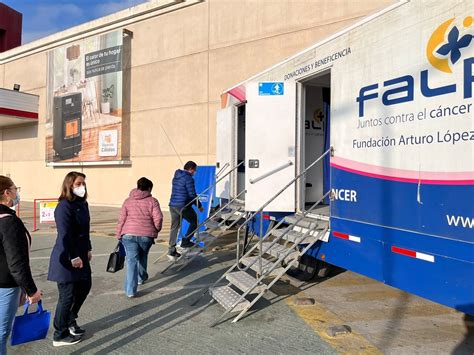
(276,88)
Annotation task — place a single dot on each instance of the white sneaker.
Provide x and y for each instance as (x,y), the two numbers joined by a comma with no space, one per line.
(175,256)
(69,340)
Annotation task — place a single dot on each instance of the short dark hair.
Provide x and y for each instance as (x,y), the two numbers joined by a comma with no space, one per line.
(144,184)
(190,165)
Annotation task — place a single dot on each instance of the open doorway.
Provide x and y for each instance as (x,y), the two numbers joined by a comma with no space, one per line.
(315,140)
(240,150)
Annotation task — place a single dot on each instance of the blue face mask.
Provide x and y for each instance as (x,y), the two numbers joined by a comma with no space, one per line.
(16,200)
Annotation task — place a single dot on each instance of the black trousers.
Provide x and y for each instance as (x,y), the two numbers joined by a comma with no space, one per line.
(189,215)
(71,297)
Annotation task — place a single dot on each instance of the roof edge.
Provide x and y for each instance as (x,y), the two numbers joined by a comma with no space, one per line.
(101,25)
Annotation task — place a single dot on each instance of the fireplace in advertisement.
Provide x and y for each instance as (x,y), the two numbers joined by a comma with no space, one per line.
(67,126)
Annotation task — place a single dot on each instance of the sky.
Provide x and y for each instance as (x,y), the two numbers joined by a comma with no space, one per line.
(44,17)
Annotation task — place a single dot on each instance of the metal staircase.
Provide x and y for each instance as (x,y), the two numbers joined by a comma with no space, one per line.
(231,212)
(281,248)
(218,222)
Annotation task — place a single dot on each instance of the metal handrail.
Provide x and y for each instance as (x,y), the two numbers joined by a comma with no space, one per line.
(216,213)
(210,243)
(202,192)
(271,172)
(268,272)
(249,252)
(260,210)
(286,231)
(213,185)
(199,226)
(222,169)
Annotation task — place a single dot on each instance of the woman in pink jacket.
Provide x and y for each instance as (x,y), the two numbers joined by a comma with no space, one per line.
(139,223)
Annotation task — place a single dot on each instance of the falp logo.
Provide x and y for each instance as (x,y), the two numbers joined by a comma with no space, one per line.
(444,47)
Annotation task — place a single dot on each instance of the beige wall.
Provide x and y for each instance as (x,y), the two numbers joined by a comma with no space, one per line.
(2,72)
(181,62)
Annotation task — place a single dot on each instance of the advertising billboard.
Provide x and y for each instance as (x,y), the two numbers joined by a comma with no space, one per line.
(84,91)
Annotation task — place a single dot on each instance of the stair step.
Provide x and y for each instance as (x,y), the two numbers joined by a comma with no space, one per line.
(293,236)
(304,222)
(277,250)
(321,217)
(236,205)
(230,215)
(244,281)
(240,201)
(205,237)
(227,298)
(266,265)
(213,225)
(233,206)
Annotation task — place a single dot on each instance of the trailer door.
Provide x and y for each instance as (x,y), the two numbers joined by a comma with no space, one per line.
(224,144)
(270,139)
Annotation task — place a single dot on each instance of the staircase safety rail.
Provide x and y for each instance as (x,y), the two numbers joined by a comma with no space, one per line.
(260,210)
(198,239)
(263,273)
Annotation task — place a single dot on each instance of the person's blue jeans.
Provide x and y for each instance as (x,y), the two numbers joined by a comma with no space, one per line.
(9,299)
(137,249)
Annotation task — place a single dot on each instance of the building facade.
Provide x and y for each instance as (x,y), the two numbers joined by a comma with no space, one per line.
(177,58)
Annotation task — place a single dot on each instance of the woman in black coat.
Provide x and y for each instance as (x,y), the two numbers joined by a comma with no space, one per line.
(15,272)
(70,259)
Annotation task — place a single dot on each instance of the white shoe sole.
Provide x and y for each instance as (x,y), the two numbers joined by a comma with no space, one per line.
(60,343)
(172,258)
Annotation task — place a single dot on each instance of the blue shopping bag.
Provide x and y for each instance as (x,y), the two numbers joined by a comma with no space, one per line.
(30,326)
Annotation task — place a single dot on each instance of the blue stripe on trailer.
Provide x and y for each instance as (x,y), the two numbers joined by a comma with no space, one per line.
(446,280)
(426,209)
(404,242)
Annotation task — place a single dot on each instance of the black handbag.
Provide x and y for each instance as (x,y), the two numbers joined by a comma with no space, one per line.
(116,259)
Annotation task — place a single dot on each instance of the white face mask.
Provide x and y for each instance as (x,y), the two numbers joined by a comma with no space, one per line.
(79,191)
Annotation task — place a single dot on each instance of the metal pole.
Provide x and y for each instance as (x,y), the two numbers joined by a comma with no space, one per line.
(222,169)
(260,243)
(34,216)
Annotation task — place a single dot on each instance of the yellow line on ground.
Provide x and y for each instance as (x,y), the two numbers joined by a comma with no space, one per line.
(320,319)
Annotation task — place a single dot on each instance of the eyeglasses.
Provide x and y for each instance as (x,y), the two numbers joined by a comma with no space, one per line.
(17,188)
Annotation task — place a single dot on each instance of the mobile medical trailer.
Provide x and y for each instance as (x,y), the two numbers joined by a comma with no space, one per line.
(392,96)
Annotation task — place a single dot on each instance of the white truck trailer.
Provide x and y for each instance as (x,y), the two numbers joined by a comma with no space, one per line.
(392,96)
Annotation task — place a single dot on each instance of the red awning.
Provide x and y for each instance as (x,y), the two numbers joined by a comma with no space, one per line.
(17,108)
(238,92)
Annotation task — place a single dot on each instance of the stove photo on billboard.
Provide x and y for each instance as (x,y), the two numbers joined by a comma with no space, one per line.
(67,126)
(85,101)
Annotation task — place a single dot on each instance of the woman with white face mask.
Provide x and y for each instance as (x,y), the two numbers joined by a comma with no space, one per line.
(15,272)
(69,265)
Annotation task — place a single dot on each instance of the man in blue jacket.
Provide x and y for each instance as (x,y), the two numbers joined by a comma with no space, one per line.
(183,197)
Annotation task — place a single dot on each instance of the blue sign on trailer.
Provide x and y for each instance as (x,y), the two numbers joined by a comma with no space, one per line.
(269,89)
